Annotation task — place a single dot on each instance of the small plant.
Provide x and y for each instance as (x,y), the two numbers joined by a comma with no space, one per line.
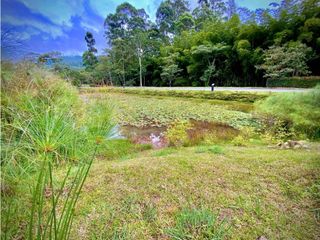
(177,133)
(240,141)
(198,224)
(216,149)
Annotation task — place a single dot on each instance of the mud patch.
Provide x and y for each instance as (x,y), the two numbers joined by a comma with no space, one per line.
(199,131)
(146,135)
(215,130)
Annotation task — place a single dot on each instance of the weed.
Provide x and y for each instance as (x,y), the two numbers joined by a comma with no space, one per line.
(177,133)
(216,149)
(198,224)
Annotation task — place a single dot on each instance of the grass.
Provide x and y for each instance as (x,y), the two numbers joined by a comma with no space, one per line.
(246,97)
(254,191)
(300,111)
(141,111)
(207,191)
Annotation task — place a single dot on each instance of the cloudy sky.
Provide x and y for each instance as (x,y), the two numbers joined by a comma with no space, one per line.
(60,25)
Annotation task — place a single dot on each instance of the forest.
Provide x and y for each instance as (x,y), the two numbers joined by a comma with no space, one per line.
(216,42)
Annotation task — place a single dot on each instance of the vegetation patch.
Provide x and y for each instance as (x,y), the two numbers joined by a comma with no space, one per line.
(143,111)
(198,224)
(294,82)
(298,112)
(218,95)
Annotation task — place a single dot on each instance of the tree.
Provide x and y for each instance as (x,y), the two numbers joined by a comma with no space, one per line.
(124,21)
(49,58)
(89,58)
(184,23)
(168,14)
(90,42)
(285,61)
(170,69)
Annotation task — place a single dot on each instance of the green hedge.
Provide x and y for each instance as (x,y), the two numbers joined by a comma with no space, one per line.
(295,82)
(221,95)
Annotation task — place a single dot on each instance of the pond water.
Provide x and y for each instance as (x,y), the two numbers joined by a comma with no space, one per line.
(156,135)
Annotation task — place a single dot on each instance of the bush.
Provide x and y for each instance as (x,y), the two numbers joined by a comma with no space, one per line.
(177,133)
(299,112)
(294,82)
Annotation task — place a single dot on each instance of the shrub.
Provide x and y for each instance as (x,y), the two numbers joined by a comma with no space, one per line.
(300,112)
(240,141)
(177,133)
(294,82)
(198,224)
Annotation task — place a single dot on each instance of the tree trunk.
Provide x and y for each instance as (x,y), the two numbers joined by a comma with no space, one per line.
(140,71)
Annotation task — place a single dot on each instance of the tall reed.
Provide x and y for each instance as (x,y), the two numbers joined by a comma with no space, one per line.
(50,141)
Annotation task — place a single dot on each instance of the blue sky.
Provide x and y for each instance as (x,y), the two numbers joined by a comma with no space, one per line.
(60,25)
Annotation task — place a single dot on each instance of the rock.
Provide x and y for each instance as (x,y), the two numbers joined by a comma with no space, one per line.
(290,144)
(262,238)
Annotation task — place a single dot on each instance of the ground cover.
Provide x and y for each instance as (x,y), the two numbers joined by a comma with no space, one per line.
(142,111)
(247,191)
(220,95)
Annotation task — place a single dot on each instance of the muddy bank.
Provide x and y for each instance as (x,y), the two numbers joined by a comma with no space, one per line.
(156,136)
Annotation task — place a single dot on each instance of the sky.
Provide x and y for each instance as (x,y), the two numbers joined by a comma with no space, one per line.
(60,25)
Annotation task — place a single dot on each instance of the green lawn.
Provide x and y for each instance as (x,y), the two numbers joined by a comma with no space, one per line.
(256,190)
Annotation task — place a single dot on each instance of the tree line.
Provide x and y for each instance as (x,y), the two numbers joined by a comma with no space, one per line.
(215,42)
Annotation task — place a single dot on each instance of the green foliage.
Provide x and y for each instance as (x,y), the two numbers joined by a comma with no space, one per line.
(216,149)
(198,224)
(216,42)
(169,69)
(89,60)
(140,111)
(300,111)
(239,141)
(177,133)
(243,97)
(43,129)
(285,61)
(295,82)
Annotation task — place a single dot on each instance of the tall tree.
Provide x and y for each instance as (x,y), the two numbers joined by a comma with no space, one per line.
(89,58)
(168,14)
(124,21)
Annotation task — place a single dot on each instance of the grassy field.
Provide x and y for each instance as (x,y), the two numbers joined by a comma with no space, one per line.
(254,190)
(200,192)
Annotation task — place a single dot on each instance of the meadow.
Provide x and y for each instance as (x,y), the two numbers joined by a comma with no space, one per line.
(84,164)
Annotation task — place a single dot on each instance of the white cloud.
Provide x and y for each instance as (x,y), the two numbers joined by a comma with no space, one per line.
(54,31)
(58,11)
